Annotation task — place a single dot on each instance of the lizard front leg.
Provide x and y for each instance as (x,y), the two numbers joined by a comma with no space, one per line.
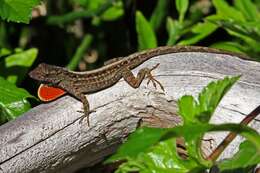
(143,73)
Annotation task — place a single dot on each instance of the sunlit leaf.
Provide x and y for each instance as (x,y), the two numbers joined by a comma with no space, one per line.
(160,154)
(174,29)
(201,111)
(113,12)
(4,52)
(17,10)
(226,11)
(145,33)
(211,95)
(182,6)
(13,101)
(248,155)
(228,45)
(199,31)
(248,9)
(159,14)
(138,142)
(14,67)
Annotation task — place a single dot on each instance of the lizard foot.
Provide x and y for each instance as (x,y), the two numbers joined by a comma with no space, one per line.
(86,115)
(152,79)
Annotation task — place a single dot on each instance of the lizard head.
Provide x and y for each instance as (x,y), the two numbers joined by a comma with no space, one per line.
(47,73)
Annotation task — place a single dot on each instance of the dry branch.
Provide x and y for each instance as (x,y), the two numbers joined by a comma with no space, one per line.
(49,137)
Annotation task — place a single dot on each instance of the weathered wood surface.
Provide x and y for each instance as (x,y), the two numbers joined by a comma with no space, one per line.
(49,137)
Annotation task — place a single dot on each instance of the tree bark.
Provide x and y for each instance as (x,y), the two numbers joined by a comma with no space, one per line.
(49,137)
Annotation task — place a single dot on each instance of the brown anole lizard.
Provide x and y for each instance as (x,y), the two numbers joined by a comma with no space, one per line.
(80,83)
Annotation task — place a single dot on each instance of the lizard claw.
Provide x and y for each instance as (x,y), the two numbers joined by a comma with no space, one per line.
(86,115)
(152,79)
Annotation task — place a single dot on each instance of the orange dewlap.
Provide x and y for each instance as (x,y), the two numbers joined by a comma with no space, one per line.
(47,93)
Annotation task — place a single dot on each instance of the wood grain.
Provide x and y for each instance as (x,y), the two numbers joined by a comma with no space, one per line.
(49,137)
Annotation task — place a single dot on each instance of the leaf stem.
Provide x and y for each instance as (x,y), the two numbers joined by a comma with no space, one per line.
(80,51)
(72,16)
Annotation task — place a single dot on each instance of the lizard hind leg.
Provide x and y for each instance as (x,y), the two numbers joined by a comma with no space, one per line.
(86,112)
(152,79)
(143,73)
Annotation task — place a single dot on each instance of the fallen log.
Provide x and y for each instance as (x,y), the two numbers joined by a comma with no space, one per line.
(49,137)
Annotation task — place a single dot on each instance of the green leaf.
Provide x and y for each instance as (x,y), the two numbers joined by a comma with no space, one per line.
(200,31)
(249,41)
(17,10)
(201,111)
(211,95)
(113,12)
(155,156)
(79,54)
(247,156)
(12,101)
(14,67)
(228,45)
(4,52)
(154,150)
(159,14)
(137,142)
(188,108)
(226,11)
(93,9)
(145,33)
(199,129)
(163,158)
(249,29)
(3,35)
(248,9)
(89,4)
(174,29)
(181,6)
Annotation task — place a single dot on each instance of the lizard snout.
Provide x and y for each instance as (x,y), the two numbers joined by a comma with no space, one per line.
(36,74)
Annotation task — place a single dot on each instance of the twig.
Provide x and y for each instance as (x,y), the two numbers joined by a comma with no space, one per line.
(221,147)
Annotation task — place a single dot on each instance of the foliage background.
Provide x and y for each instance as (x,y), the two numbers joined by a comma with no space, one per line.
(83,34)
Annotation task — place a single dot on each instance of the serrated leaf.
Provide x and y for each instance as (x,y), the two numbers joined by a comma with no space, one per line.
(154,155)
(201,111)
(145,33)
(211,95)
(13,101)
(146,152)
(247,156)
(159,14)
(17,10)
(163,158)
(14,67)
(181,6)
